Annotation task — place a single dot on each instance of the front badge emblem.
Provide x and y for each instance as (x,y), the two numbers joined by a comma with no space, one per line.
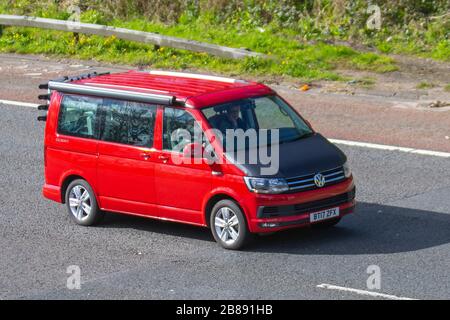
(319,180)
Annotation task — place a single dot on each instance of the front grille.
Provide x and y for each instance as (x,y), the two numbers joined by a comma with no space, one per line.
(300,208)
(304,183)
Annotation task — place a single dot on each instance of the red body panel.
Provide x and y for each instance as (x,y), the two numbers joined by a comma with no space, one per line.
(145,181)
(126,179)
(66,156)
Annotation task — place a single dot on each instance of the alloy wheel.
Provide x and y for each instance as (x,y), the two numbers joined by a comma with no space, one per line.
(80,202)
(227,225)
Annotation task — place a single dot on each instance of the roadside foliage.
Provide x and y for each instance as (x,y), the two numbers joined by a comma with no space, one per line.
(306,39)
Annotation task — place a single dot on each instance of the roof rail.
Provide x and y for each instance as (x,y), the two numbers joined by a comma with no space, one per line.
(111,93)
(196,76)
(46,86)
(64,84)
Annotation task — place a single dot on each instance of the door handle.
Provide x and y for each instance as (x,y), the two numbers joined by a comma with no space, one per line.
(145,155)
(163,158)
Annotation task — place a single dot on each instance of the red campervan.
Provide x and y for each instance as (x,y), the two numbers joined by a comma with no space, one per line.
(123,143)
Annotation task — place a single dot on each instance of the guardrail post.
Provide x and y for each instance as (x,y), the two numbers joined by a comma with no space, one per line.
(76,37)
(1,30)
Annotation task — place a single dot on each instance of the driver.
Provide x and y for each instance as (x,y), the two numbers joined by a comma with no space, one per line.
(232,120)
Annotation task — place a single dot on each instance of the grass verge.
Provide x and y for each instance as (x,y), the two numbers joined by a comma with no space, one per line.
(291,56)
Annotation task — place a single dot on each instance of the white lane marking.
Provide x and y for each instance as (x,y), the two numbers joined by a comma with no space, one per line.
(19,104)
(391,148)
(362,292)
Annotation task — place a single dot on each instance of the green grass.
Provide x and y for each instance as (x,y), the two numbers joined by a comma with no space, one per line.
(439,50)
(425,85)
(373,62)
(283,30)
(289,56)
(447,87)
(427,40)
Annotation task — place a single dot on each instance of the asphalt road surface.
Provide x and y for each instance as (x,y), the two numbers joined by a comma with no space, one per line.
(402,225)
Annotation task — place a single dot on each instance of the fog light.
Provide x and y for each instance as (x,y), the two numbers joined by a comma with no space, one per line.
(269,225)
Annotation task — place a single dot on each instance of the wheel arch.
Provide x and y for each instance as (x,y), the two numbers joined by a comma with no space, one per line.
(212,202)
(68,180)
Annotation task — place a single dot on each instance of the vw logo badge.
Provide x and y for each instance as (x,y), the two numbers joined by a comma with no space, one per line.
(319,180)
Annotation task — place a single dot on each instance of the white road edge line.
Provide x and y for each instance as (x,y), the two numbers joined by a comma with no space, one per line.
(391,148)
(362,292)
(337,141)
(19,104)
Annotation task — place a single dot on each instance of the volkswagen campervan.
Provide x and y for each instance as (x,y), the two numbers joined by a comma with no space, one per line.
(221,153)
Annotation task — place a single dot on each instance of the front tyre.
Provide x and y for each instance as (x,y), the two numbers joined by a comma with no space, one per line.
(82,203)
(229,226)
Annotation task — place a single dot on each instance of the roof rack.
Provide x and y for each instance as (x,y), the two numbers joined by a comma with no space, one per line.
(196,76)
(64,84)
(111,93)
(65,79)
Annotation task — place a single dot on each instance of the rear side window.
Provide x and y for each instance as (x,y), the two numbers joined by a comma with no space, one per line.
(78,116)
(130,123)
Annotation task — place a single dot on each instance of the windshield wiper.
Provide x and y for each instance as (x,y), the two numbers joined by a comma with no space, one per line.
(306,135)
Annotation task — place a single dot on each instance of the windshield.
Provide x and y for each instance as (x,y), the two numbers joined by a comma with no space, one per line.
(261,116)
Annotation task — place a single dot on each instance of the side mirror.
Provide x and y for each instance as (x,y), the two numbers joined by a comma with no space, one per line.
(193,150)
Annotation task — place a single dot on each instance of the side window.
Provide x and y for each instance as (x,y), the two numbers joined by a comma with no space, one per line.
(179,129)
(115,121)
(78,116)
(130,123)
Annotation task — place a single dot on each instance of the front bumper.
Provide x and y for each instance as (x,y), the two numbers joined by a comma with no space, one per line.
(281,212)
(271,225)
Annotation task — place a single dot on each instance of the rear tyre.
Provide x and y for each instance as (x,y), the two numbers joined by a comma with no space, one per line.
(82,203)
(229,226)
(326,224)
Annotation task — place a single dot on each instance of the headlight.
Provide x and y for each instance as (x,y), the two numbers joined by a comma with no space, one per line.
(347,170)
(264,185)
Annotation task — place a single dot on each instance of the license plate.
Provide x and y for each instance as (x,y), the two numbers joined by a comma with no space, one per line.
(324,215)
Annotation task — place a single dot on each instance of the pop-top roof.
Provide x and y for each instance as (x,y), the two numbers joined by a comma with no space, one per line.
(194,89)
